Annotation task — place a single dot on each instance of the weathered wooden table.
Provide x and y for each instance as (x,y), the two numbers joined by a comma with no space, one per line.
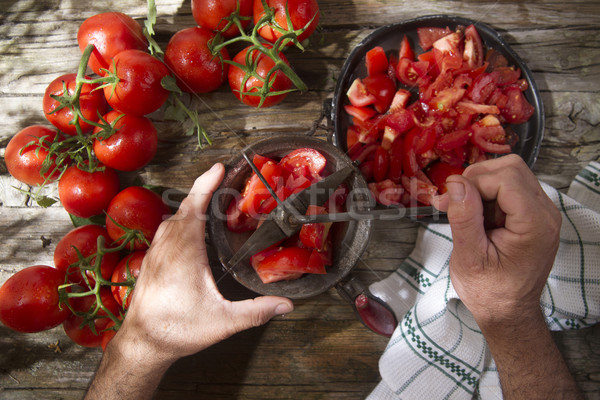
(320,350)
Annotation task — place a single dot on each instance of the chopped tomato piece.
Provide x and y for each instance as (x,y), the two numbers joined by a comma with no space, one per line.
(351,136)
(386,192)
(400,100)
(383,88)
(429,35)
(452,140)
(406,50)
(289,259)
(360,113)
(446,99)
(409,157)
(439,172)
(376,61)
(473,52)
(419,187)
(396,156)
(401,120)
(255,192)
(517,109)
(238,221)
(380,164)
(470,107)
(315,235)
(490,136)
(358,94)
(259,161)
(311,158)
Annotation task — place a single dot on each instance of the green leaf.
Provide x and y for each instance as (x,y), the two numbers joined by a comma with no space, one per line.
(174,113)
(44,201)
(99,219)
(170,84)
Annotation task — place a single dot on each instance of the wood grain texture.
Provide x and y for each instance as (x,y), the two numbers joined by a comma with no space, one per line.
(320,351)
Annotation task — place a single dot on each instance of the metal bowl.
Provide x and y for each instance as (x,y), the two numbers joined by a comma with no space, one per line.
(349,238)
(389,37)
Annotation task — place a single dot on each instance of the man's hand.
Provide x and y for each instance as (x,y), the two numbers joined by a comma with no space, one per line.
(499,274)
(176,308)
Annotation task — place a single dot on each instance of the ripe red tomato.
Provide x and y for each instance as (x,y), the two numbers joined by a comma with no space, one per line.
(139,90)
(84,335)
(133,262)
(249,92)
(211,14)
(301,12)
(131,147)
(25,164)
(29,300)
(193,64)
(110,33)
(91,103)
(136,208)
(85,194)
(84,239)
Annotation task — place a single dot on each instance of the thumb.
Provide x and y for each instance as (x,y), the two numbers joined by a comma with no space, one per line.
(465,214)
(258,311)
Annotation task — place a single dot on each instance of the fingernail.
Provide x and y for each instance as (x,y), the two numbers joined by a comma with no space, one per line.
(283,308)
(456,191)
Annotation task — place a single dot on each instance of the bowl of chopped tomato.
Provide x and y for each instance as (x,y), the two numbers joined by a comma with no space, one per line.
(420,100)
(314,259)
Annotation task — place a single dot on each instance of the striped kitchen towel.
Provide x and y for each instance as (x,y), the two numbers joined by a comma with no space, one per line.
(437,350)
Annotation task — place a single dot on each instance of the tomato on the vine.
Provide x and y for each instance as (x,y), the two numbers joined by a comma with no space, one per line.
(135,208)
(302,14)
(91,104)
(138,90)
(211,14)
(29,299)
(131,147)
(81,333)
(128,267)
(83,241)
(110,33)
(85,194)
(25,163)
(194,66)
(247,87)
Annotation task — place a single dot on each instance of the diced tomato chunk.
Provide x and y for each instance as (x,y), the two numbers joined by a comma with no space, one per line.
(439,172)
(517,109)
(358,94)
(383,88)
(376,61)
(428,35)
(361,113)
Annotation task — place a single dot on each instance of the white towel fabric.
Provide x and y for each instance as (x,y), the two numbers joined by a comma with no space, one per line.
(437,350)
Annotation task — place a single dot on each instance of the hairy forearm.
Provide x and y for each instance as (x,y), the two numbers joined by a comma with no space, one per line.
(128,370)
(529,363)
